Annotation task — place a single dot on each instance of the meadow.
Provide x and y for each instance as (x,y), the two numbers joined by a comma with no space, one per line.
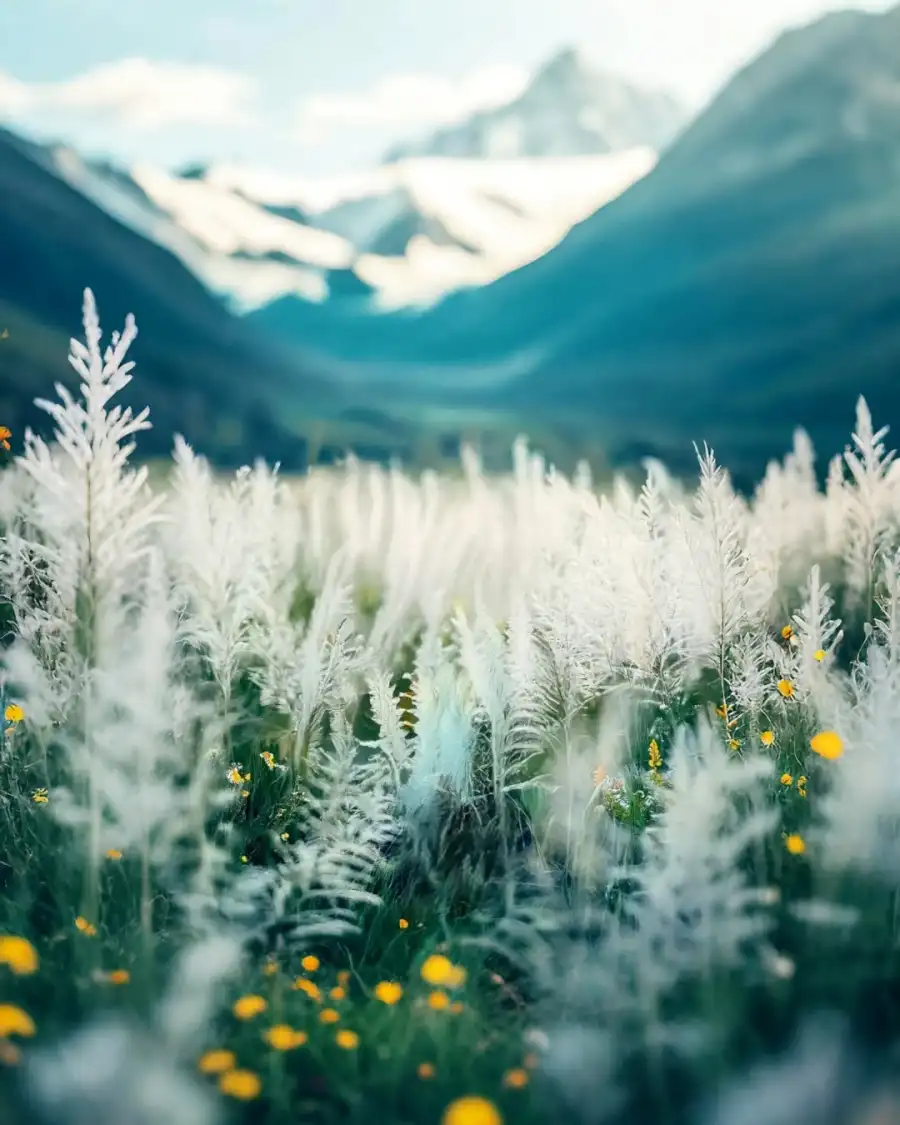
(453,799)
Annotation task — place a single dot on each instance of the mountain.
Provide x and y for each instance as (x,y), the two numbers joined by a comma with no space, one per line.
(427,227)
(410,231)
(203,372)
(394,236)
(246,252)
(570,108)
(749,283)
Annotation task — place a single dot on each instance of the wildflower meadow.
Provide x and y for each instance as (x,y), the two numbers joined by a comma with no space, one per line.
(448,799)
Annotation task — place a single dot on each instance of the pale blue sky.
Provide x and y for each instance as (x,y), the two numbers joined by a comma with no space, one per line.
(294,82)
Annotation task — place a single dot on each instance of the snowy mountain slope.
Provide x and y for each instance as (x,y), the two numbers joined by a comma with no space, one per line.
(411,231)
(468,221)
(238,251)
(571,107)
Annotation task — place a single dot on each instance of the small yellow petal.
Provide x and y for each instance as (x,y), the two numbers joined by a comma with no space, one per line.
(827,744)
(388,992)
(795,844)
(516,1078)
(241,1084)
(247,1007)
(15,1021)
(471,1110)
(19,955)
(216,1062)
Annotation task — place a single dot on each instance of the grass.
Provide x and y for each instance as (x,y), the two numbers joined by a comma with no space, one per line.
(456,801)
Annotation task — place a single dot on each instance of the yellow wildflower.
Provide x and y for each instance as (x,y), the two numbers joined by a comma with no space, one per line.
(118,976)
(14,713)
(282,1037)
(440,970)
(786,779)
(247,1007)
(347,1040)
(827,744)
(438,1000)
(40,796)
(14,1021)
(19,954)
(801,786)
(819,655)
(310,964)
(5,433)
(787,632)
(795,844)
(234,775)
(241,1084)
(216,1062)
(343,978)
(309,987)
(471,1110)
(786,688)
(113,853)
(329,1015)
(403,924)
(86,927)
(388,992)
(337,993)
(767,737)
(734,744)
(269,758)
(425,1070)
(654,757)
(516,1078)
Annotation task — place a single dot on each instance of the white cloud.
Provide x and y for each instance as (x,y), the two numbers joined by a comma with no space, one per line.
(141,94)
(410,100)
(13,95)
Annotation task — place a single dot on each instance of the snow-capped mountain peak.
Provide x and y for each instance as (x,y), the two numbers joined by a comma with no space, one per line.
(571,107)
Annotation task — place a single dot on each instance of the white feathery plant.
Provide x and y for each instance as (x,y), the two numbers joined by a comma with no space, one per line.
(347,820)
(511,696)
(860,813)
(871,519)
(730,591)
(691,909)
(445,734)
(84,540)
(304,669)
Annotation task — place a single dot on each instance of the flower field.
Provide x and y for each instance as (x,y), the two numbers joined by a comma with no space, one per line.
(444,800)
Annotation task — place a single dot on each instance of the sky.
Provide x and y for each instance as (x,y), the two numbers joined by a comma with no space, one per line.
(322,86)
